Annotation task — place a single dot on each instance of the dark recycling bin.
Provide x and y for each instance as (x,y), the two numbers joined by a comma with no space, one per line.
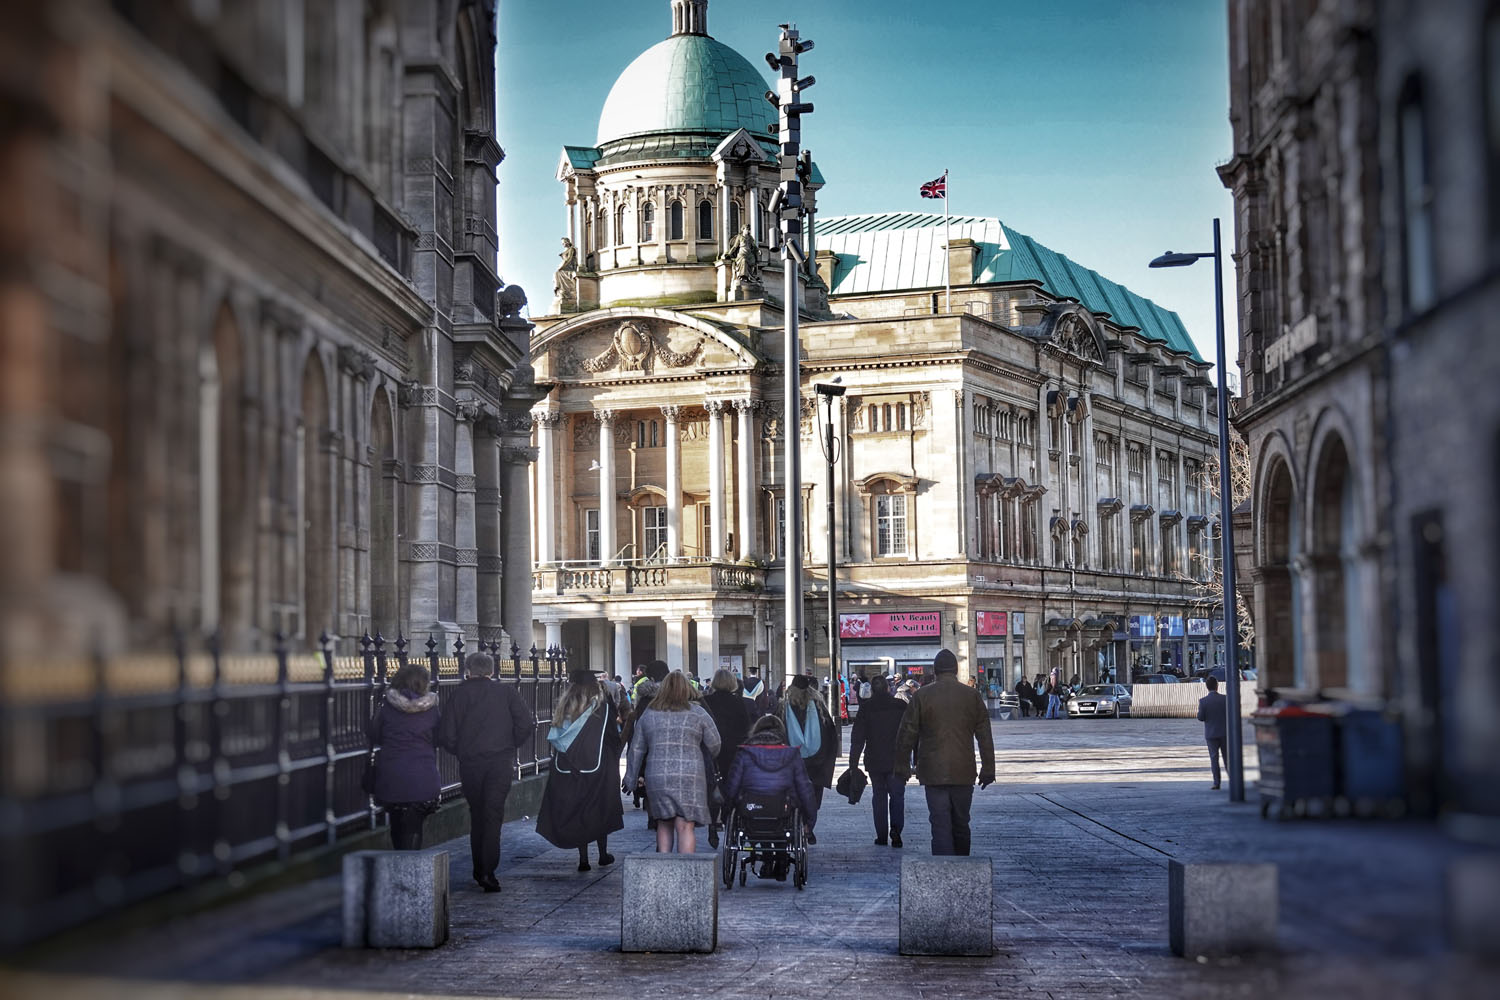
(1298,761)
(1372,763)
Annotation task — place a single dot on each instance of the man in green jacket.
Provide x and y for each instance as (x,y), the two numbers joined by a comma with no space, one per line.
(942,724)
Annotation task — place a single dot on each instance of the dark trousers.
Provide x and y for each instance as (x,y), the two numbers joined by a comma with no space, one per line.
(486,783)
(948,810)
(406,826)
(890,803)
(1215,752)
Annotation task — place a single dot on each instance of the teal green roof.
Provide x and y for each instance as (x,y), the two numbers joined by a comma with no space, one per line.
(581,157)
(688,83)
(900,250)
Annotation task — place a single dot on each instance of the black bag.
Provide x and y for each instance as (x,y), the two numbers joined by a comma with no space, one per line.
(367,780)
(851,784)
(715,783)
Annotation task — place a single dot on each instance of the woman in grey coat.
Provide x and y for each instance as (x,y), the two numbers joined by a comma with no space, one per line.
(667,748)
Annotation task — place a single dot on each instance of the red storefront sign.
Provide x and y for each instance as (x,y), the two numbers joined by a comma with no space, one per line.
(898,625)
(991,623)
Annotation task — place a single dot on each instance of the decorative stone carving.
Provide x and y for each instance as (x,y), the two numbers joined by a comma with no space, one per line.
(356,362)
(518,456)
(672,359)
(565,278)
(422,552)
(743,257)
(566,360)
(673,413)
(921,406)
(464,483)
(472,411)
(511,301)
(585,432)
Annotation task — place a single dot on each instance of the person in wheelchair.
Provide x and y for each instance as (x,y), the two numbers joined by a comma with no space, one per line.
(767,767)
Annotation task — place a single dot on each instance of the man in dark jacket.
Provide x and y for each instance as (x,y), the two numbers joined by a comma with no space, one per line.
(483,722)
(875,730)
(1213,712)
(942,724)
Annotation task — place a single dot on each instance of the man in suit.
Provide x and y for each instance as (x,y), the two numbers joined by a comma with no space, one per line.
(482,724)
(1213,712)
(943,722)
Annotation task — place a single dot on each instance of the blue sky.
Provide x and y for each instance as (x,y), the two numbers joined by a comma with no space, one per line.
(1093,126)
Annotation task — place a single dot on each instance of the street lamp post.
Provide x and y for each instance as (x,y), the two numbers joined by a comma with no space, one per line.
(828,392)
(1233,746)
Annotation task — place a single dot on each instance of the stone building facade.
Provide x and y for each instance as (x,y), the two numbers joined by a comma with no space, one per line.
(265,378)
(1366,177)
(1017,475)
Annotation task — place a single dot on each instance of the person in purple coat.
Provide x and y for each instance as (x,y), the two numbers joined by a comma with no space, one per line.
(768,765)
(406,770)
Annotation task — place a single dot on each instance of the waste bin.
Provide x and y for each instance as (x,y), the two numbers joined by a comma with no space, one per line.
(1372,762)
(1298,761)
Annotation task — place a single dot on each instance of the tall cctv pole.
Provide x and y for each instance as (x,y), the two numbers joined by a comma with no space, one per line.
(789,207)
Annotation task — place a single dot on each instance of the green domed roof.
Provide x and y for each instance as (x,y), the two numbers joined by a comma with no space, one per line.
(688,83)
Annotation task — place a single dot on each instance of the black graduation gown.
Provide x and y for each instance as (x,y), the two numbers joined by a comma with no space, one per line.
(582,800)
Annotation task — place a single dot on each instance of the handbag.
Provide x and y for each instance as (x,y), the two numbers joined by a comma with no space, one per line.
(367,780)
(715,784)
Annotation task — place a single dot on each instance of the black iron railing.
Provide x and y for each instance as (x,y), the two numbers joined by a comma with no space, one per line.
(125,777)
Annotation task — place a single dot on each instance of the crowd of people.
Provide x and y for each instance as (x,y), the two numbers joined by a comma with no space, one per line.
(690,750)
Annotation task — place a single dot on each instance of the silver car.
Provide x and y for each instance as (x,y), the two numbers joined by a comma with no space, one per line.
(1106,700)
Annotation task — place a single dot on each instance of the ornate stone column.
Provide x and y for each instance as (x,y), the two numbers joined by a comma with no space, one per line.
(465,541)
(715,408)
(515,519)
(708,645)
(554,633)
(546,486)
(674,484)
(676,641)
(745,476)
(606,420)
(487,525)
(620,664)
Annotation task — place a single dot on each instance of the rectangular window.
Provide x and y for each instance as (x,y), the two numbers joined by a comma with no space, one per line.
(1416,201)
(1169,551)
(706,532)
(890,525)
(1138,547)
(591,534)
(780,543)
(654,532)
(1106,542)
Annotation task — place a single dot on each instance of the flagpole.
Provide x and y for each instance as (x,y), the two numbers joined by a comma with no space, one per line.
(947,270)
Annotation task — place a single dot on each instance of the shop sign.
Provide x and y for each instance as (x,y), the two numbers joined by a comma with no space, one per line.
(1171,626)
(897,625)
(1142,626)
(1018,623)
(1197,626)
(991,623)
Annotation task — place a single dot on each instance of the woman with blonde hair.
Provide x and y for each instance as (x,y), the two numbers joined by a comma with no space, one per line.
(668,747)
(810,729)
(581,803)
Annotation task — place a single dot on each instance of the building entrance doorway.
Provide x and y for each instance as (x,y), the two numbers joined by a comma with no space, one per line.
(642,645)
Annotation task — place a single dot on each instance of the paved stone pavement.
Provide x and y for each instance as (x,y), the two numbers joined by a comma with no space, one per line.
(1081,825)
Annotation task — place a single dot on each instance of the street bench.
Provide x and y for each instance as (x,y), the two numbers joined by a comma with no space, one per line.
(395,899)
(670,903)
(947,906)
(1221,908)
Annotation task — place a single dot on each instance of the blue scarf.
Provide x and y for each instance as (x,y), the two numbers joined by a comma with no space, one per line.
(562,737)
(809,742)
(753,693)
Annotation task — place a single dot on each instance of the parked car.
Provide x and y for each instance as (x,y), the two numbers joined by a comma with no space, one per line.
(1155,679)
(1100,700)
(1246,674)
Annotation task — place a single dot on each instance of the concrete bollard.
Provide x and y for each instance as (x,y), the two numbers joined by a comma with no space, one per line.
(1221,908)
(670,903)
(395,899)
(947,906)
(1472,905)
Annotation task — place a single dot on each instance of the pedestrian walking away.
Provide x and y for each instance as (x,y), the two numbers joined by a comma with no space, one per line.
(483,722)
(1213,712)
(581,803)
(941,725)
(732,717)
(406,783)
(811,730)
(667,751)
(767,765)
(876,730)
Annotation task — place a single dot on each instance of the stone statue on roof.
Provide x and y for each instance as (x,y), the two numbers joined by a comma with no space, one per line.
(744,258)
(565,280)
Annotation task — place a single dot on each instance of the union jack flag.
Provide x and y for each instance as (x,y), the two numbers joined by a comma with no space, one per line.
(937,188)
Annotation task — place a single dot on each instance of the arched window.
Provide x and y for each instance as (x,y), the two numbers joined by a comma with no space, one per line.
(674,221)
(705,219)
(620,226)
(648,222)
(1416,199)
(602,234)
(734,218)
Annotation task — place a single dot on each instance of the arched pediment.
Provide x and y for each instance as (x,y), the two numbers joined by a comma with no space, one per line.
(641,342)
(1072,327)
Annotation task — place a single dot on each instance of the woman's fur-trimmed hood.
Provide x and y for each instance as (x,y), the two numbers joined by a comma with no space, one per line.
(401,701)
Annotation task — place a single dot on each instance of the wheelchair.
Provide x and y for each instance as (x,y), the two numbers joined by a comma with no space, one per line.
(765,834)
